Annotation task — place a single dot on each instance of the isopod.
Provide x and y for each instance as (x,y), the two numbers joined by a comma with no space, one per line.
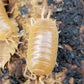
(42,46)
(9,36)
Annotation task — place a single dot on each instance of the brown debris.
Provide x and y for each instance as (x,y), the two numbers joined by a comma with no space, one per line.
(16,66)
(68,47)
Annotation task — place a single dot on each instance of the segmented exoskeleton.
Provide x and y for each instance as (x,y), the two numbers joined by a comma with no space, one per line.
(42,46)
(9,36)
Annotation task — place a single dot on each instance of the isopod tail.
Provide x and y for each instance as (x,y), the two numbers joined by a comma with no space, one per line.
(31,76)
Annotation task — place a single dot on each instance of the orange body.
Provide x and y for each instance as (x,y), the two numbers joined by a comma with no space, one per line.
(8,36)
(42,47)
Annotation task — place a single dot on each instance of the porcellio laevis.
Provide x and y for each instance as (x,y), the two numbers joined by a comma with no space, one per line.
(9,36)
(42,46)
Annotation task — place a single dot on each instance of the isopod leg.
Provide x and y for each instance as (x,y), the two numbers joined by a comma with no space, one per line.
(7,41)
(36,81)
(41,79)
(32,76)
(17,54)
(59,32)
(10,12)
(25,71)
(82,51)
(60,46)
(32,21)
(49,13)
(6,60)
(22,32)
(42,14)
(56,64)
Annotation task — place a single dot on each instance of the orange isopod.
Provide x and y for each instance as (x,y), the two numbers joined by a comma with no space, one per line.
(9,36)
(42,46)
